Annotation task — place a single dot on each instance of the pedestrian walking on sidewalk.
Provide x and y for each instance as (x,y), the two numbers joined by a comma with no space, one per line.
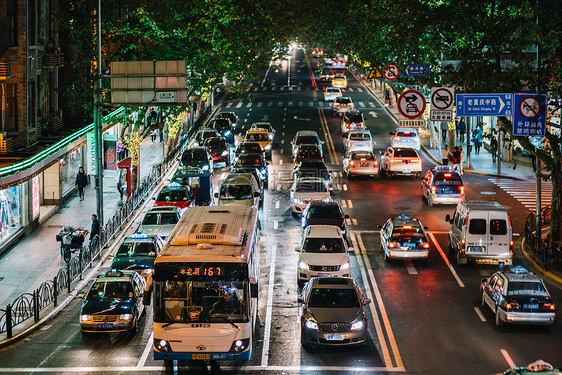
(95,230)
(456,159)
(445,155)
(81,182)
(462,129)
(478,138)
(386,97)
(494,148)
(461,160)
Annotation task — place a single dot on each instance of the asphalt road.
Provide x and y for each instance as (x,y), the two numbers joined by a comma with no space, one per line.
(424,319)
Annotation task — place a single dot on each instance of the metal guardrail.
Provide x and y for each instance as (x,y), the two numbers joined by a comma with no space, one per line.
(550,256)
(29,305)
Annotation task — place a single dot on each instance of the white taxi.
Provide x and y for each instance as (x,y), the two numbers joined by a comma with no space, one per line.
(401,161)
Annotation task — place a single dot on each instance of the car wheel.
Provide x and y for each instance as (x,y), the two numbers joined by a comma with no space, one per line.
(483,301)
(135,327)
(499,322)
(429,201)
(300,282)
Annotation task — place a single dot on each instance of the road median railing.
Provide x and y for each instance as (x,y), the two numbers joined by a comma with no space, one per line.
(28,308)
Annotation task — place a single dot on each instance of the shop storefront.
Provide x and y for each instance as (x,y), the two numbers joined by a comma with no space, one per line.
(69,168)
(10,212)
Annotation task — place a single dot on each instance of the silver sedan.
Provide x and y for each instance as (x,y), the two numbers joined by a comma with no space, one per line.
(360,163)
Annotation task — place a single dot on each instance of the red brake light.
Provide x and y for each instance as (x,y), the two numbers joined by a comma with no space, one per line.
(549,306)
(463,245)
(425,245)
(448,174)
(352,163)
(349,144)
(462,189)
(433,190)
(363,159)
(407,227)
(406,133)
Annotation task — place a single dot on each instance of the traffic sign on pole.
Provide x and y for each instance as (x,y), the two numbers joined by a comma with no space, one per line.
(529,115)
(441,104)
(411,104)
(390,71)
(484,104)
(411,70)
(374,73)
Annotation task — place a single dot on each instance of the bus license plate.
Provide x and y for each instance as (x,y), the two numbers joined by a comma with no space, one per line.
(334,337)
(475,249)
(105,326)
(200,356)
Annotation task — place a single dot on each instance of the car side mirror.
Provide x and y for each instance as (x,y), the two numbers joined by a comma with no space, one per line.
(257,194)
(146,297)
(448,218)
(366,301)
(391,133)
(379,226)
(350,249)
(300,300)
(297,249)
(346,216)
(216,195)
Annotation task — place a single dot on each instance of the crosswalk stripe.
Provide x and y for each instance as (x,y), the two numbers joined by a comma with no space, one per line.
(269,104)
(525,192)
(290,104)
(249,105)
(361,104)
(228,105)
(301,104)
(260,104)
(372,104)
(311,104)
(359,89)
(273,88)
(280,104)
(350,89)
(239,105)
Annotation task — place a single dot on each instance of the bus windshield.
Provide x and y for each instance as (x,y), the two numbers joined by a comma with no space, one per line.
(202,301)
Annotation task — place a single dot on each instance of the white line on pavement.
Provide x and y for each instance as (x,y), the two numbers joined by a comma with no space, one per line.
(343,203)
(282,141)
(276,223)
(354,221)
(280,161)
(410,267)
(508,359)
(349,204)
(348,222)
(269,308)
(459,281)
(480,315)
(344,187)
(146,351)
(239,105)
(277,205)
(130,369)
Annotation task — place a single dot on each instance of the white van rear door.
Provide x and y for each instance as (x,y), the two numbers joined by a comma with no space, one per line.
(499,233)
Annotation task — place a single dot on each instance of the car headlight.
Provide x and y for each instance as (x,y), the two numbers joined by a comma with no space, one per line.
(270,136)
(85,318)
(263,171)
(162,345)
(345,266)
(224,153)
(227,133)
(205,168)
(357,325)
(125,316)
(268,146)
(303,265)
(311,325)
(326,200)
(146,272)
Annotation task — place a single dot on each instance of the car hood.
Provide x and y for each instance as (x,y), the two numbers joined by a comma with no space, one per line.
(327,259)
(305,195)
(157,230)
(237,202)
(337,222)
(132,263)
(108,306)
(334,315)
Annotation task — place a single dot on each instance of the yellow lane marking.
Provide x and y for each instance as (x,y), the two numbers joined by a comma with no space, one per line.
(331,148)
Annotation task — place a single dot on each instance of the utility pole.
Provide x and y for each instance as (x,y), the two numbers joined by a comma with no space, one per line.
(98,127)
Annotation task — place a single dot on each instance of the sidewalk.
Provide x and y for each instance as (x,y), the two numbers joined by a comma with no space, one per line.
(36,258)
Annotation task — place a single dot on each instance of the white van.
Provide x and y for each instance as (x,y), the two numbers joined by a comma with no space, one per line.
(239,189)
(481,231)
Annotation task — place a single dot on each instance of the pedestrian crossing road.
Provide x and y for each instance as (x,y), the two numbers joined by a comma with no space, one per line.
(525,191)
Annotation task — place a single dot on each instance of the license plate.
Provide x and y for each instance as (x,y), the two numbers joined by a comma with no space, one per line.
(323,274)
(410,245)
(475,249)
(363,164)
(531,306)
(334,337)
(359,144)
(105,326)
(200,356)
(406,171)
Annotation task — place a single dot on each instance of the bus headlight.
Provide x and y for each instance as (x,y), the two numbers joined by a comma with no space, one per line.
(268,146)
(85,318)
(205,168)
(345,266)
(162,346)
(239,346)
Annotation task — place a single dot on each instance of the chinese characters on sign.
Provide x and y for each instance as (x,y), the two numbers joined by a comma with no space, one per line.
(530,115)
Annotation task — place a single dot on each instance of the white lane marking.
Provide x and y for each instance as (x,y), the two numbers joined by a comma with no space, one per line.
(290,104)
(229,105)
(282,141)
(372,104)
(281,151)
(508,358)
(277,205)
(64,344)
(130,369)
(259,104)
(348,222)
(359,89)
(273,88)
(269,308)
(311,104)
(337,187)
(410,267)
(301,104)
(350,89)
(223,175)
(361,104)
(239,105)
(269,104)
(349,203)
(249,105)
(344,187)
(479,313)
(354,221)
(276,223)
(459,281)
(343,203)
(380,303)
(280,104)
(283,134)
(45,328)
(280,161)
(146,351)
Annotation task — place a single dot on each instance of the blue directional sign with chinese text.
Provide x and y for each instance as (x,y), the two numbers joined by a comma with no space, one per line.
(484,104)
(411,70)
(529,115)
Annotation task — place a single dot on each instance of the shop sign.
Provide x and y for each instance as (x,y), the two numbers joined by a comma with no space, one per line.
(35,199)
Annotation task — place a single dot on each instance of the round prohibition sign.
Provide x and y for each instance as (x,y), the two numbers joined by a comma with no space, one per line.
(530,107)
(390,72)
(411,104)
(442,99)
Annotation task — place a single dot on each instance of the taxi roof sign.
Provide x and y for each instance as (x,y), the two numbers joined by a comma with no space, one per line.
(139,236)
(519,270)
(114,273)
(405,217)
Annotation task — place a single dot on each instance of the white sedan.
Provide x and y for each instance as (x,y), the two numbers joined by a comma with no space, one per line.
(401,161)
(358,140)
(308,189)
(360,163)
(332,93)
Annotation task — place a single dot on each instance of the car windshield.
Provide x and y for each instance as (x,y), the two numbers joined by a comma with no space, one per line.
(315,165)
(325,212)
(194,155)
(251,160)
(450,179)
(406,134)
(401,232)
(363,155)
(256,137)
(263,126)
(203,301)
(207,134)
(333,298)
(323,245)
(326,71)
(343,100)
(355,118)
(359,137)
(332,90)
(221,124)
(173,195)
(249,148)
(135,249)
(236,192)
(311,187)
(215,143)
(110,289)
(307,139)
(526,288)
(405,153)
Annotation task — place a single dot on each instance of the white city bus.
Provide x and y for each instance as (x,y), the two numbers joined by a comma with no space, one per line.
(204,286)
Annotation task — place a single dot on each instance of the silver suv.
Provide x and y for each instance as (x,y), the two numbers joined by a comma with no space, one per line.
(333,312)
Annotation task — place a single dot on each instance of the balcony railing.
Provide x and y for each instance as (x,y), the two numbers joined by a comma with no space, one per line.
(5,70)
(52,60)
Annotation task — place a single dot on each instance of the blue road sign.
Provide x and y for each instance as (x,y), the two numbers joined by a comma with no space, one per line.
(529,116)
(484,104)
(411,70)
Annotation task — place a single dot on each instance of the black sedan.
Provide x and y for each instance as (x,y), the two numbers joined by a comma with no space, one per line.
(219,149)
(314,169)
(224,127)
(320,213)
(248,148)
(197,157)
(253,160)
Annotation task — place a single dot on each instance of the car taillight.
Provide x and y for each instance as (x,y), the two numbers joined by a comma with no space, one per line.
(352,163)
(433,190)
(463,244)
(362,124)
(461,189)
(425,245)
(393,244)
(511,246)
(393,160)
(376,164)
(416,160)
(396,138)
(349,144)
(548,306)
(370,144)
(417,139)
